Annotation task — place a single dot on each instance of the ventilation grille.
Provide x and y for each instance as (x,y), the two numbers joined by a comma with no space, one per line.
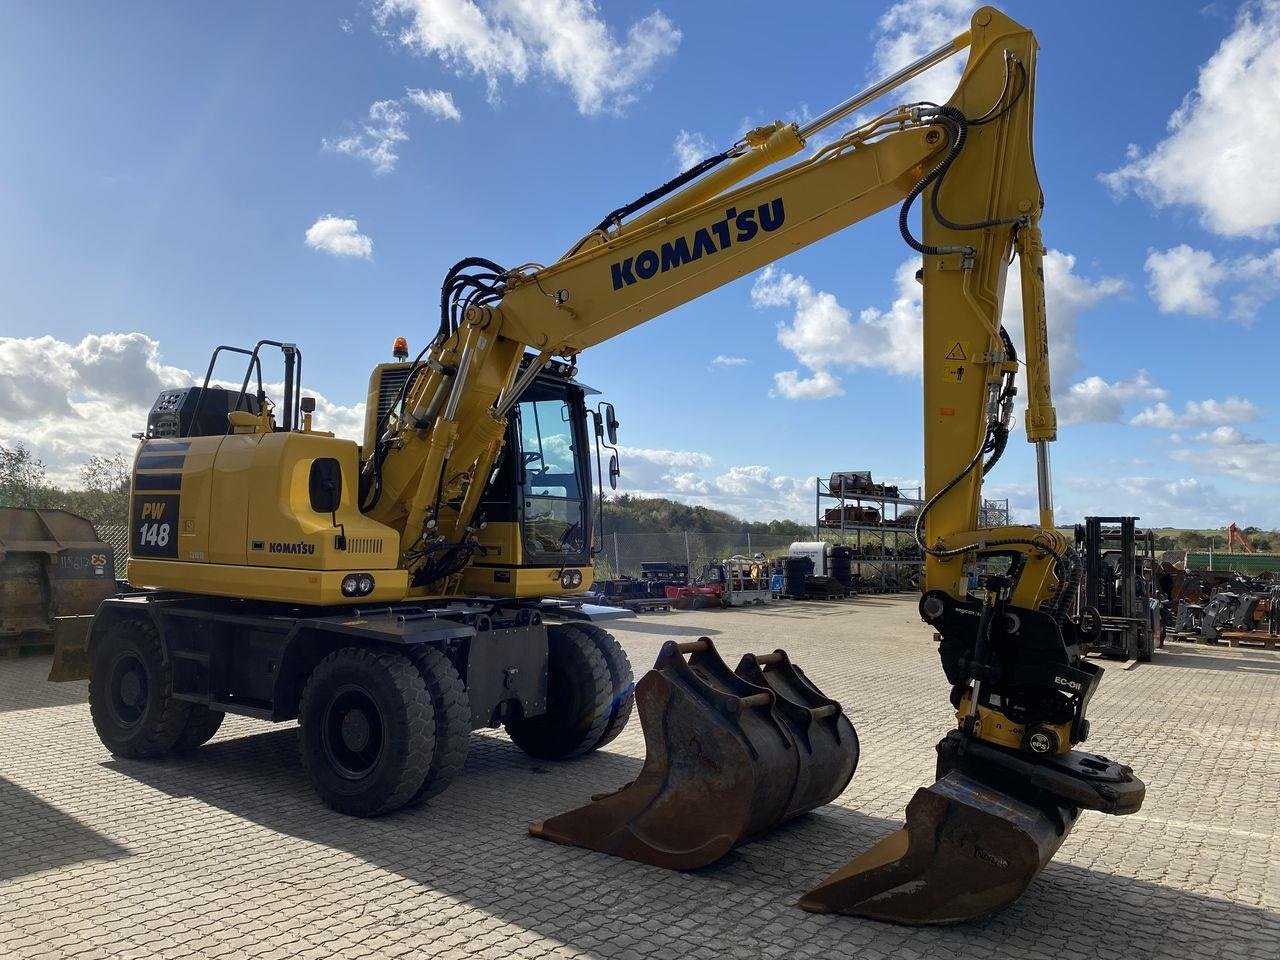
(364,545)
(389,386)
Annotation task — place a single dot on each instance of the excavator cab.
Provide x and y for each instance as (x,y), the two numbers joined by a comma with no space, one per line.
(538,524)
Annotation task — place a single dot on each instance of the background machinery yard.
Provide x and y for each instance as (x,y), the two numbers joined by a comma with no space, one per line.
(1118,592)
(394,595)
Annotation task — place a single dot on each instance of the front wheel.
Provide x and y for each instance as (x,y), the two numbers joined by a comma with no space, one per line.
(131,692)
(368,731)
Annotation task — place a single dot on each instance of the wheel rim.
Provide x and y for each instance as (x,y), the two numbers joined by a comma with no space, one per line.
(353,732)
(128,689)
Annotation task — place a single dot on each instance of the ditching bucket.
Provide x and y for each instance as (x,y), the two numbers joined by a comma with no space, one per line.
(976,839)
(729,755)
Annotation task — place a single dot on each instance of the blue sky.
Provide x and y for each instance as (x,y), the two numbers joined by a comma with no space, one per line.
(171,168)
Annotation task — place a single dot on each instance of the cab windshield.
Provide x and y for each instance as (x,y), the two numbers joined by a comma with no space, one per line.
(550,485)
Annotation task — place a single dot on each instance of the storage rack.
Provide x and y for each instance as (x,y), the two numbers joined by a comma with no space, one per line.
(889,535)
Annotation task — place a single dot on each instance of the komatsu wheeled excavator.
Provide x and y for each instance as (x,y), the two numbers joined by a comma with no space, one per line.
(394,595)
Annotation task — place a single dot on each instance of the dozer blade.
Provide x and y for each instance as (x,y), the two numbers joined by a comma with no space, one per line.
(70,648)
(975,840)
(727,759)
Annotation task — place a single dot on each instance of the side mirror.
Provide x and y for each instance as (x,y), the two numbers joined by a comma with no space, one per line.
(610,423)
(615,471)
(325,485)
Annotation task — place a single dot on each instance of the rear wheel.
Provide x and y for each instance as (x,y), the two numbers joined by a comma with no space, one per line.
(452,711)
(131,692)
(579,700)
(368,731)
(202,724)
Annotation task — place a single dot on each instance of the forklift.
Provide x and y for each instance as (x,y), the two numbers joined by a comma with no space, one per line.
(1117,603)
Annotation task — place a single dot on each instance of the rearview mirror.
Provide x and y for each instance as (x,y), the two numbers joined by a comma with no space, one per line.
(325,485)
(615,471)
(610,423)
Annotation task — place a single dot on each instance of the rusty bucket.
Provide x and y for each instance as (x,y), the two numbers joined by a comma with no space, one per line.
(976,839)
(729,756)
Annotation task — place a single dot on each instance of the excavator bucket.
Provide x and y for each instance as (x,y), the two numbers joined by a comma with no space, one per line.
(729,756)
(976,839)
(70,648)
(54,572)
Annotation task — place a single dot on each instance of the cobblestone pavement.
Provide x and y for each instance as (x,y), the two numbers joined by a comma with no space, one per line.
(226,853)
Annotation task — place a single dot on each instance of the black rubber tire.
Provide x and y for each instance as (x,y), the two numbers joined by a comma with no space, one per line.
(143,720)
(621,680)
(578,699)
(202,724)
(385,693)
(452,710)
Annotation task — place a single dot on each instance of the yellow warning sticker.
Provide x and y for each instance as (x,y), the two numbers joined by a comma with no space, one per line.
(953,373)
(959,351)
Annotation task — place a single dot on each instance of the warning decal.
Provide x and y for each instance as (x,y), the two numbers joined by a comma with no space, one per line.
(959,351)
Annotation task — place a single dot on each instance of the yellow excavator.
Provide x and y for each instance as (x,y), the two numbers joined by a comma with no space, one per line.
(394,595)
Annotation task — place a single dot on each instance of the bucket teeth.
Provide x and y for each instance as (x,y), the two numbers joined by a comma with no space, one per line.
(728,756)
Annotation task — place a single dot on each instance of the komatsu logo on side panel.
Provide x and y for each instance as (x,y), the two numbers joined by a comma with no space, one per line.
(276,546)
(734,228)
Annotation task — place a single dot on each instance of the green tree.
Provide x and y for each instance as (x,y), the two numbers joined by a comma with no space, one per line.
(22,479)
(1192,540)
(103,496)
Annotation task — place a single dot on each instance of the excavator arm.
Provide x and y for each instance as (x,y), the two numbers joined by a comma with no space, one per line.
(715,231)
(997,597)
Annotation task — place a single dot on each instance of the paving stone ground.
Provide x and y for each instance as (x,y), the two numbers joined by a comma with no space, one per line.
(227,854)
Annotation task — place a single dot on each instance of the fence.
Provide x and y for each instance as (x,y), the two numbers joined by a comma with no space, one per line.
(117,536)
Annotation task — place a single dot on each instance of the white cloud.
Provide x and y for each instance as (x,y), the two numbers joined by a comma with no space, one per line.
(511,40)
(1180,501)
(690,148)
(383,130)
(1233,453)
(790,385)
(753,492)
(434,103)
(379,134)
(1183,280)
(1202,413)
(724,360)
(910,29)
(1219,157)
(824,336)
(70,401)
(1095,400)
(340,237)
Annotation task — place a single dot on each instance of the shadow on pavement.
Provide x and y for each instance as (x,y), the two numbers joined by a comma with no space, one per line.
(663,629)
(1235,659)
(471,844)
(35,836)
